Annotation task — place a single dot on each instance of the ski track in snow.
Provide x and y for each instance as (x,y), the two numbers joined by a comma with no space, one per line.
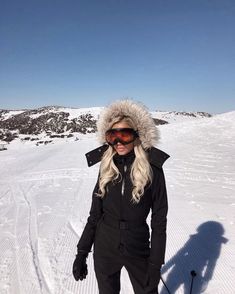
(45,197)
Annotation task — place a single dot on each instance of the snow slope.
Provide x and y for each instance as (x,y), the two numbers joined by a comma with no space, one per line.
(45,196)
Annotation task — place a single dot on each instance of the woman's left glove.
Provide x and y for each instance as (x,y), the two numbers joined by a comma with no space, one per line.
(154,272)
(80,266)
(153,278)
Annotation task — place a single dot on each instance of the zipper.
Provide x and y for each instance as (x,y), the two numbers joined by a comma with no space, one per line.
(121,205)
(123,180)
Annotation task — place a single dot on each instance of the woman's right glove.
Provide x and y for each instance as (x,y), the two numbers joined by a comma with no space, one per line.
(80,266)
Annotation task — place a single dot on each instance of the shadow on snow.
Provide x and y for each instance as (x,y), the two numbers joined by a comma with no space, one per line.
(200,253)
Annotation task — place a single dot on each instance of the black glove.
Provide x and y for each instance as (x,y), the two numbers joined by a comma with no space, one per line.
(153,278)
(154,272)
(80,266)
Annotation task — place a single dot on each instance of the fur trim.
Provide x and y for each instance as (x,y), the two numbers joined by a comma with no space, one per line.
(148,132)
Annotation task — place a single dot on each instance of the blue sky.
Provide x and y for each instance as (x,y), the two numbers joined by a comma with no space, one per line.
(169,54)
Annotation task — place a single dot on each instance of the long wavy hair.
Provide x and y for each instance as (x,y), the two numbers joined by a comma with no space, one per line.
(140,174)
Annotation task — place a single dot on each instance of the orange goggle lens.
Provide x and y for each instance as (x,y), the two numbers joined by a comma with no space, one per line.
(123,135)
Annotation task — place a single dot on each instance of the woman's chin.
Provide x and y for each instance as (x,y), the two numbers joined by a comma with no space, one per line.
(121,151)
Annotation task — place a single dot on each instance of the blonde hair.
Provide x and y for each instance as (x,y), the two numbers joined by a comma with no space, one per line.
(141,171)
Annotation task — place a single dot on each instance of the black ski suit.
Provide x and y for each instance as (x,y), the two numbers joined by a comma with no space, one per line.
(119,231)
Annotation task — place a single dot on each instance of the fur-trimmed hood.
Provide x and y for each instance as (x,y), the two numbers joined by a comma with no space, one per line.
(147,130)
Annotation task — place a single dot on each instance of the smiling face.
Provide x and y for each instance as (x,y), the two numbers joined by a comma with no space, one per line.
(120,148)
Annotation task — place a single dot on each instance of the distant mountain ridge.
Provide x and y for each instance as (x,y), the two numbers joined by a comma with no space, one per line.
(57,121)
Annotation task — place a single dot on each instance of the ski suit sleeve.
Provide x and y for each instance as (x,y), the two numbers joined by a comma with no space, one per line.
(158,219)
(87,238)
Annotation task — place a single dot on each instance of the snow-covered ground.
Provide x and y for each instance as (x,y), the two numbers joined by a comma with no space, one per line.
(45,196)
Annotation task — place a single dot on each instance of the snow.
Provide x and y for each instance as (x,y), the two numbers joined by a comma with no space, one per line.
(76,112)
(45,197)
(172,117)
(11,113)
(73,112)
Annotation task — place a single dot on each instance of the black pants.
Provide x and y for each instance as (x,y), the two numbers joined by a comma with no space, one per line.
(108,270)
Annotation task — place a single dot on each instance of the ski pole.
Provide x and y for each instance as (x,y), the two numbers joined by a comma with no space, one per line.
(165,285)
(193,274)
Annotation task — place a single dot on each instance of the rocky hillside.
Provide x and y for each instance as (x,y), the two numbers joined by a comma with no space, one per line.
(59,122)
(53,121)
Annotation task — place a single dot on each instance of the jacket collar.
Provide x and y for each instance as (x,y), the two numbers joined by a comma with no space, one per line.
(156,156)
(124,159)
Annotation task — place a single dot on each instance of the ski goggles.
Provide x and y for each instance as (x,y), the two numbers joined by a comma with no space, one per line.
(123,135)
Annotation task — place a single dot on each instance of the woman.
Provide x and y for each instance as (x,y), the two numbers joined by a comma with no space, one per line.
(130,184)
